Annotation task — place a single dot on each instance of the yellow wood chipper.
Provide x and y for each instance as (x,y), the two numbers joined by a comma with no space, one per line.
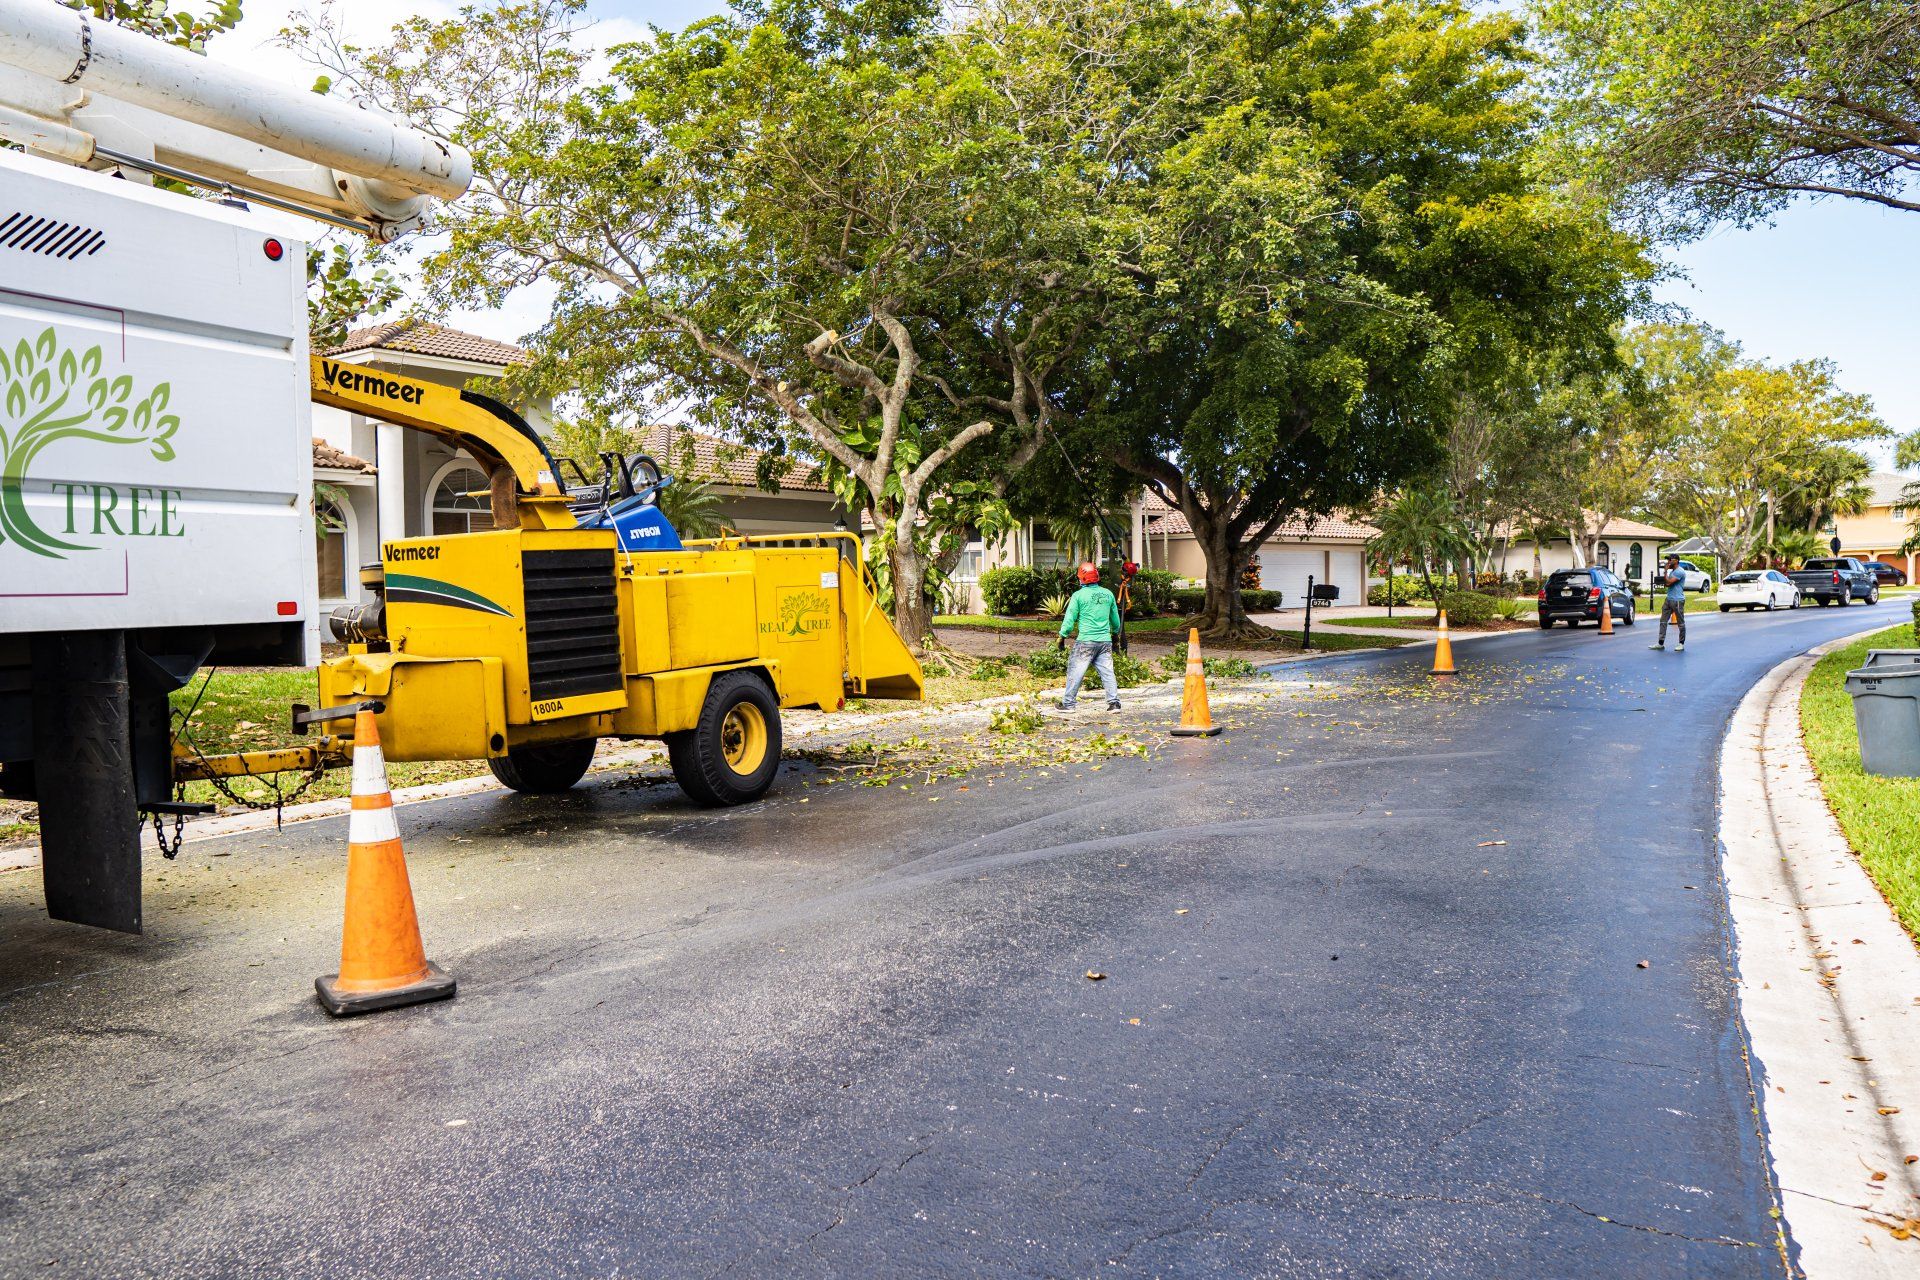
(581,616)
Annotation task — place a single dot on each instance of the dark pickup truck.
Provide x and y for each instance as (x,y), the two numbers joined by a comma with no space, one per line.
(1840,580)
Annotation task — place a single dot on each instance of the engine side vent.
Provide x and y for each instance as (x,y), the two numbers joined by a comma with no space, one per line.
(32,234)
(573,623)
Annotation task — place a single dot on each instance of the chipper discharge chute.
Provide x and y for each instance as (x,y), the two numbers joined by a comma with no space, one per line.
(583,617)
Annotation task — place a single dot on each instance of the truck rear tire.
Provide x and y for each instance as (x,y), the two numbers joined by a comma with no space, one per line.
(546,769)
(733,754)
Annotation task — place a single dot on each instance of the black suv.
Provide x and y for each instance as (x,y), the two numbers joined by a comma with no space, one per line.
(1574,596)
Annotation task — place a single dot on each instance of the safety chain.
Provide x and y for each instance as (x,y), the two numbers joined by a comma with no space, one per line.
(281,799)
(86,51)
(169,851)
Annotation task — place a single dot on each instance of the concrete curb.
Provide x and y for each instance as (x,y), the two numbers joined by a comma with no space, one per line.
(1830,994)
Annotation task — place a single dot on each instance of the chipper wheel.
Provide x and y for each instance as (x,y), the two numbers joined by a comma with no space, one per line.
(732,755)
(546,769)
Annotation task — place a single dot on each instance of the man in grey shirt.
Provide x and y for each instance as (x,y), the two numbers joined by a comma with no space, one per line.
(1674,606)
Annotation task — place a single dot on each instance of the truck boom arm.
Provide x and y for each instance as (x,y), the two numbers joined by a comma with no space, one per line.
(495,435)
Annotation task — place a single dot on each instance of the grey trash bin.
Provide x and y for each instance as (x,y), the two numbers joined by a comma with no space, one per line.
(1886,708)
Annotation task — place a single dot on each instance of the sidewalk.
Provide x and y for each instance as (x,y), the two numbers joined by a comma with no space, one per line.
(1830,994)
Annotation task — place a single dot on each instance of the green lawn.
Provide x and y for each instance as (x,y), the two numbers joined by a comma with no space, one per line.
(1047,626)
(1881,816)
(1330,640)
(1695,604)
(249,709)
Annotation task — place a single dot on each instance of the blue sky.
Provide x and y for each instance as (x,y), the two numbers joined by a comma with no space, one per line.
(1833,278)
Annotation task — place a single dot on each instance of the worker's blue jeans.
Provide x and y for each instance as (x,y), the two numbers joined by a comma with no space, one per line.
(1099,655)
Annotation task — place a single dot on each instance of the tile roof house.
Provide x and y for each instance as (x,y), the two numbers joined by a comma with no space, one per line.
(1331,549)
(802,504)
(1629,547)
(1879,532)
(328,458)
(424,338)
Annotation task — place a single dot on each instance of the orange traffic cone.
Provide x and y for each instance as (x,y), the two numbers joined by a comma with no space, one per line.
(1196,721)
(1443,650)
(1606,617)
(382,961)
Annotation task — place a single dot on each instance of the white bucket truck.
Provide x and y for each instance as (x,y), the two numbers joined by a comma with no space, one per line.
(156,465)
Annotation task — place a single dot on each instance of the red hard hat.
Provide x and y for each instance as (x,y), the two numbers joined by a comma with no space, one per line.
(1089,574)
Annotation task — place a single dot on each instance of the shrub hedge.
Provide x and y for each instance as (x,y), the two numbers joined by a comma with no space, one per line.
(1194,599)
(1468,608)
(1407,587)
(1051,662)
(1014,590)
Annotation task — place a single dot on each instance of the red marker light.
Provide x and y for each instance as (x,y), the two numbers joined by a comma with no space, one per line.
(288,608)
(273,249)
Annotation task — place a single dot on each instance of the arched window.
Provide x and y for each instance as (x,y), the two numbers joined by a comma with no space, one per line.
(330,530)
(460,502)
(1603,556)
(1634,562)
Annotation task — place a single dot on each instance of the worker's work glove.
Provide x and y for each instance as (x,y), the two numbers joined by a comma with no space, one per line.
(1060,643)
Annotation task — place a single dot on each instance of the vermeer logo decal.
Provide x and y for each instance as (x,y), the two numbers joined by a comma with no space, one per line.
(338,377)
(804,614)
(48,394)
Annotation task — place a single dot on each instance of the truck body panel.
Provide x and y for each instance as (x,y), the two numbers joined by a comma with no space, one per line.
(157,469)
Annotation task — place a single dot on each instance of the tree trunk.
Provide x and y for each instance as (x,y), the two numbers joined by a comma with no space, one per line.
(1224,615)
(912,616)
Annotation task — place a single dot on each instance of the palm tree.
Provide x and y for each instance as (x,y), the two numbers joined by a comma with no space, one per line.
(692,507)
(1793,546)
(1423,526)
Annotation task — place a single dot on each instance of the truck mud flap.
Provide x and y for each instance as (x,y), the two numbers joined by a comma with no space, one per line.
(89,824)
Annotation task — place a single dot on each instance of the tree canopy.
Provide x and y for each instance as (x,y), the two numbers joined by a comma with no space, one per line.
(1339,238)
(1705,110)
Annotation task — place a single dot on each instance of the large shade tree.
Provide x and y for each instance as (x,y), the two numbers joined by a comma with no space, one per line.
(1339,236)
(1598,431)
(820,225)
(1756,434)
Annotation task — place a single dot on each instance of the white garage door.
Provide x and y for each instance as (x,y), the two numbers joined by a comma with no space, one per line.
(1349,575)
(1286,571)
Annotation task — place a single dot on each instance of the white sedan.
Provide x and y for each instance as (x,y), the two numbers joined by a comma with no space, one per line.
(1758,589)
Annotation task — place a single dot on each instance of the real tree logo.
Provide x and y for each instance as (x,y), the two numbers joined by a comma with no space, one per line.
(48,394)
(804,614)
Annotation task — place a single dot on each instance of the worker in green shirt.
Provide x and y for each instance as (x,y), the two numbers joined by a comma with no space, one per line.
(1092,619)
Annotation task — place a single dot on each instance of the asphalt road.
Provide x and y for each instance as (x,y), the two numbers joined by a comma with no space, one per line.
(847,1032)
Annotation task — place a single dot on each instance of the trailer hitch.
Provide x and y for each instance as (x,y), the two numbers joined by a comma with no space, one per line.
(303,715)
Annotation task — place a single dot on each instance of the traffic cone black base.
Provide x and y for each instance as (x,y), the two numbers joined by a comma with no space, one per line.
(343,1004)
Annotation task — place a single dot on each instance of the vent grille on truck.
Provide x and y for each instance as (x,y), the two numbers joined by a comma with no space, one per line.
(49,236)
(573,623)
